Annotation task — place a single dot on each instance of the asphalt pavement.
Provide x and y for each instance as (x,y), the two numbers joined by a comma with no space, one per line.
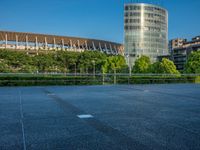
(111,117)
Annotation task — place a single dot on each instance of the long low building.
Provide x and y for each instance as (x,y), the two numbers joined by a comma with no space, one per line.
(32,43)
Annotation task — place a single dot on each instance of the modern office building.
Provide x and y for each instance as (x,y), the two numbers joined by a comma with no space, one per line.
(181,51)
(35,43)
(145,31)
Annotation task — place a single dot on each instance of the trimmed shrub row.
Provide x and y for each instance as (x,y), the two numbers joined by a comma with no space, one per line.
(89,80)
(155,79)
(47,80)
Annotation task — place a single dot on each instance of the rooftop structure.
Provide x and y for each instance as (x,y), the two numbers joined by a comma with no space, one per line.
(32,42)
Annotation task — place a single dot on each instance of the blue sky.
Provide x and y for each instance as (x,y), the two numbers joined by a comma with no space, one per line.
(101,19)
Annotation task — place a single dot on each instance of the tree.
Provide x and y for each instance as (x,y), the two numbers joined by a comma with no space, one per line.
(193,63)
(166,66)
(73,59)
(4,68)
(44,62)
(15,61)
(87,59)
(66,61)
(142,65)
(155,68)
(61,61)
(105,66)
(114,64)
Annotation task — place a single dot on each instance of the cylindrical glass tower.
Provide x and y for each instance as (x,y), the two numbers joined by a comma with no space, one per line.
(146,31)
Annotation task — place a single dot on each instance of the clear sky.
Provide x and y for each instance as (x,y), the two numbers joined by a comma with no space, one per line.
(101,19)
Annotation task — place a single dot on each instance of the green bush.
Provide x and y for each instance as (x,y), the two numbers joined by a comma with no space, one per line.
(42,80)
(47,80)
(197,79)
(155,79)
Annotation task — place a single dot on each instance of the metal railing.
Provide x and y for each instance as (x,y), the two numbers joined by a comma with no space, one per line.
(31,79)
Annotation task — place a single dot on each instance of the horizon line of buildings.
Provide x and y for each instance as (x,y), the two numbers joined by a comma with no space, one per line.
(145,33)
(178,48)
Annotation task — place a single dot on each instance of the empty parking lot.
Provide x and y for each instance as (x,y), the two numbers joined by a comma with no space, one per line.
(124,117)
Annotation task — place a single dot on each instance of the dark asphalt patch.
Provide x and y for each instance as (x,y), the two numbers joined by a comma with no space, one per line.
(119,138)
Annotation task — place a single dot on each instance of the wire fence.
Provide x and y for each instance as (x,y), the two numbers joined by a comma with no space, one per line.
(33,79)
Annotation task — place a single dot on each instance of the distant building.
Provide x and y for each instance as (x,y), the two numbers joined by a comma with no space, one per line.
(34,43)
(181,50)
(145,30)
(164,56)
(175,43)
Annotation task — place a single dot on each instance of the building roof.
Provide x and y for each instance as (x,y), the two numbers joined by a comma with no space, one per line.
(51,39)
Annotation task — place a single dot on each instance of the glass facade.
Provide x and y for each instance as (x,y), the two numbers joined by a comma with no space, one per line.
(146,31)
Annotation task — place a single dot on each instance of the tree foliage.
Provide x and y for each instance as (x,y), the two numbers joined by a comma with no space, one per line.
(114,64)
(167,67)
(60,61)
(86,62)
(193,63)
(142,65)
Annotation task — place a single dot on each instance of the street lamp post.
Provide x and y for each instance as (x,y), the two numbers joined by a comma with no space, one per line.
(129,65)
(94,69)
(75,68)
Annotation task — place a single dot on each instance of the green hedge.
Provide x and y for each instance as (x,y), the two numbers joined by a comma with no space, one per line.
(34,80)
(47,80)
(155,79)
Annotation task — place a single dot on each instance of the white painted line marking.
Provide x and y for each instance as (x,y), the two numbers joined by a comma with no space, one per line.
(51,94)
(22,124)
(23,134)
(85,116)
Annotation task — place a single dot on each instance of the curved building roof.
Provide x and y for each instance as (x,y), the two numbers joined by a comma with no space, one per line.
(61,40)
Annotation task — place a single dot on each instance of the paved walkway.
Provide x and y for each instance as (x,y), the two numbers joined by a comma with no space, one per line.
(118,117)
